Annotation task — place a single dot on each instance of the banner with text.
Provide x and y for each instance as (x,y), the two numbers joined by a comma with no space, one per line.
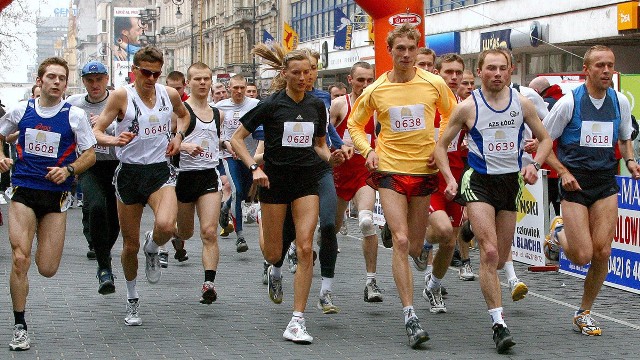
(529,234)
(624,263)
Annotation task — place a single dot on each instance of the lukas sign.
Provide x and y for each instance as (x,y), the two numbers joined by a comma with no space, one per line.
(399,19)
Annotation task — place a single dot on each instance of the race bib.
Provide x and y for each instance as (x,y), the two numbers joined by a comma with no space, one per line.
(41,143)
(206,153)
(153,128)
(101,149)
(500,141)
(297,134)
(596,134)
(234,122)
(407,118)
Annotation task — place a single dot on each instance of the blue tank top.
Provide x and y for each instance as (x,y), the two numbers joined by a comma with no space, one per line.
(43,143)
(588,141)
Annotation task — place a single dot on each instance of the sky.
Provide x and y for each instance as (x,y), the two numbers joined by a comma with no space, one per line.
(19,70)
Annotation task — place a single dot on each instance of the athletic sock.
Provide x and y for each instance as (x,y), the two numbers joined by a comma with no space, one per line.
(151,247)
(370,277)
(434,283)
(132,292)
(409,313)
(326,285)
(509,271)
(18,316)
(297,316)
(276,272)
(210,275)
(496,316)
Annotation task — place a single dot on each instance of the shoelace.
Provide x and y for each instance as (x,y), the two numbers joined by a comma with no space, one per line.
(587,320)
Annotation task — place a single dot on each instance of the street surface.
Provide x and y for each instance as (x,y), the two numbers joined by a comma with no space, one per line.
(68,319)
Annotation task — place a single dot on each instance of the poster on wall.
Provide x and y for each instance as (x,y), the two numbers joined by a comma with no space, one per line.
(624,262)
(126,42)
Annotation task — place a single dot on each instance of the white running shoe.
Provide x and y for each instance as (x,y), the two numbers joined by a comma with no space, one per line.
(132,318)
(296,331)
(152,265)
(20,339)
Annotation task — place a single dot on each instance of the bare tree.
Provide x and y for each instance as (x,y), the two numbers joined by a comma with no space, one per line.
(17,33)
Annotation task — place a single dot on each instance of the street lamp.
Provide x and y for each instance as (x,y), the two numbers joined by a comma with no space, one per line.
(178,3)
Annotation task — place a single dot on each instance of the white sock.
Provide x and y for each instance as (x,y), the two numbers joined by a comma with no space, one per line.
(151,246)
(428,271)
(162,248)
(434,283)
(371,277)
(297,316)
(326,285)
(132,292)
(509,271)
(408,313)
(496,316)
(276,272)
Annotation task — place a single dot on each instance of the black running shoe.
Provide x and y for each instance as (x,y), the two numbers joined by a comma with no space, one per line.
(385,234)
(416,333)
(224,217)
(105,282)
(465,231)
(91,253)
(241,245)
(456,260)
(502,338)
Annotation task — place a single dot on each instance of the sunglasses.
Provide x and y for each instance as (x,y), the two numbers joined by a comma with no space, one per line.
(148,73)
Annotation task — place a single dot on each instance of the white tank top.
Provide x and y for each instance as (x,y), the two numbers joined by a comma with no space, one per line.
(496,139)
(206,136)
(151,126)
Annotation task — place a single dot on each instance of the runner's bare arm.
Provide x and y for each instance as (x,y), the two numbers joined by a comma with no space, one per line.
(530,115)
(182,122)
(115,108)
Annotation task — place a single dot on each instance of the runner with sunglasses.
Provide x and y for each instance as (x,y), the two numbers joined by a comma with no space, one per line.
(143,114)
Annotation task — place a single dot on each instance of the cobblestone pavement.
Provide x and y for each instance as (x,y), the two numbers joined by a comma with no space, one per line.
(68,319)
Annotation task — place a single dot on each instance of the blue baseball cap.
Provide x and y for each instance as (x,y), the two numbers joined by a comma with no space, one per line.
(94,67)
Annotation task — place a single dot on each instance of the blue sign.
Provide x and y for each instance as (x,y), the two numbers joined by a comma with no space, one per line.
(267,38)
(495,39)
(624,262)
(444,43)
(343,29)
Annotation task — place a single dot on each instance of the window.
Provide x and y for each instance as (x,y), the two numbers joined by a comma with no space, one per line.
(436,6)
(313,19)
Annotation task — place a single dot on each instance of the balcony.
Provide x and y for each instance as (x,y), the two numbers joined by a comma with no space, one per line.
(241,17)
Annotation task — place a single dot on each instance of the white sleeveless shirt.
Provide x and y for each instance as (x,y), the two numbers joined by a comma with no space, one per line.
(151,126)
(206,136)
(496,139)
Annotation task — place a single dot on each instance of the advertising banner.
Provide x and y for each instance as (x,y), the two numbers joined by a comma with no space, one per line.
(343,30)
(624,263)
(528,239)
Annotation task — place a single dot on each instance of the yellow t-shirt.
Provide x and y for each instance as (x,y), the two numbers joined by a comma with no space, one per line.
(406,113)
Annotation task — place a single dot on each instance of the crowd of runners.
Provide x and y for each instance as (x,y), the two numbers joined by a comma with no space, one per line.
(447,158)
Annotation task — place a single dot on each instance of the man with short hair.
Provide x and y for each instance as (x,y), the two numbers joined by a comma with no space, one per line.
(252,91)
(238,174)
(197,187)
(218,92)
(426,59)
(99,213)
(467,85)
(495,115)
(175,79)
(588,122)
(350,177)
(52,133)
(405,99)
(144,176)
(336,90)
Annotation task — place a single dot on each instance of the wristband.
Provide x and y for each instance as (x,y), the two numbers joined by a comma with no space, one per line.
(626,162)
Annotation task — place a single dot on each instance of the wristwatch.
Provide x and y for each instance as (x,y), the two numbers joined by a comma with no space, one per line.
(253,167)
(71,170)
(182,134)
(536,165)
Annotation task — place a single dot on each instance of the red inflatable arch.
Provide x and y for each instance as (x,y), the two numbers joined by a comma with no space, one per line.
(386,15)
(4,4)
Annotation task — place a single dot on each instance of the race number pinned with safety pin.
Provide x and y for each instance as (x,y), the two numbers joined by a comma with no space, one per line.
(596,134)
(500,141)
(41,143)
(297,134)
(406,118)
